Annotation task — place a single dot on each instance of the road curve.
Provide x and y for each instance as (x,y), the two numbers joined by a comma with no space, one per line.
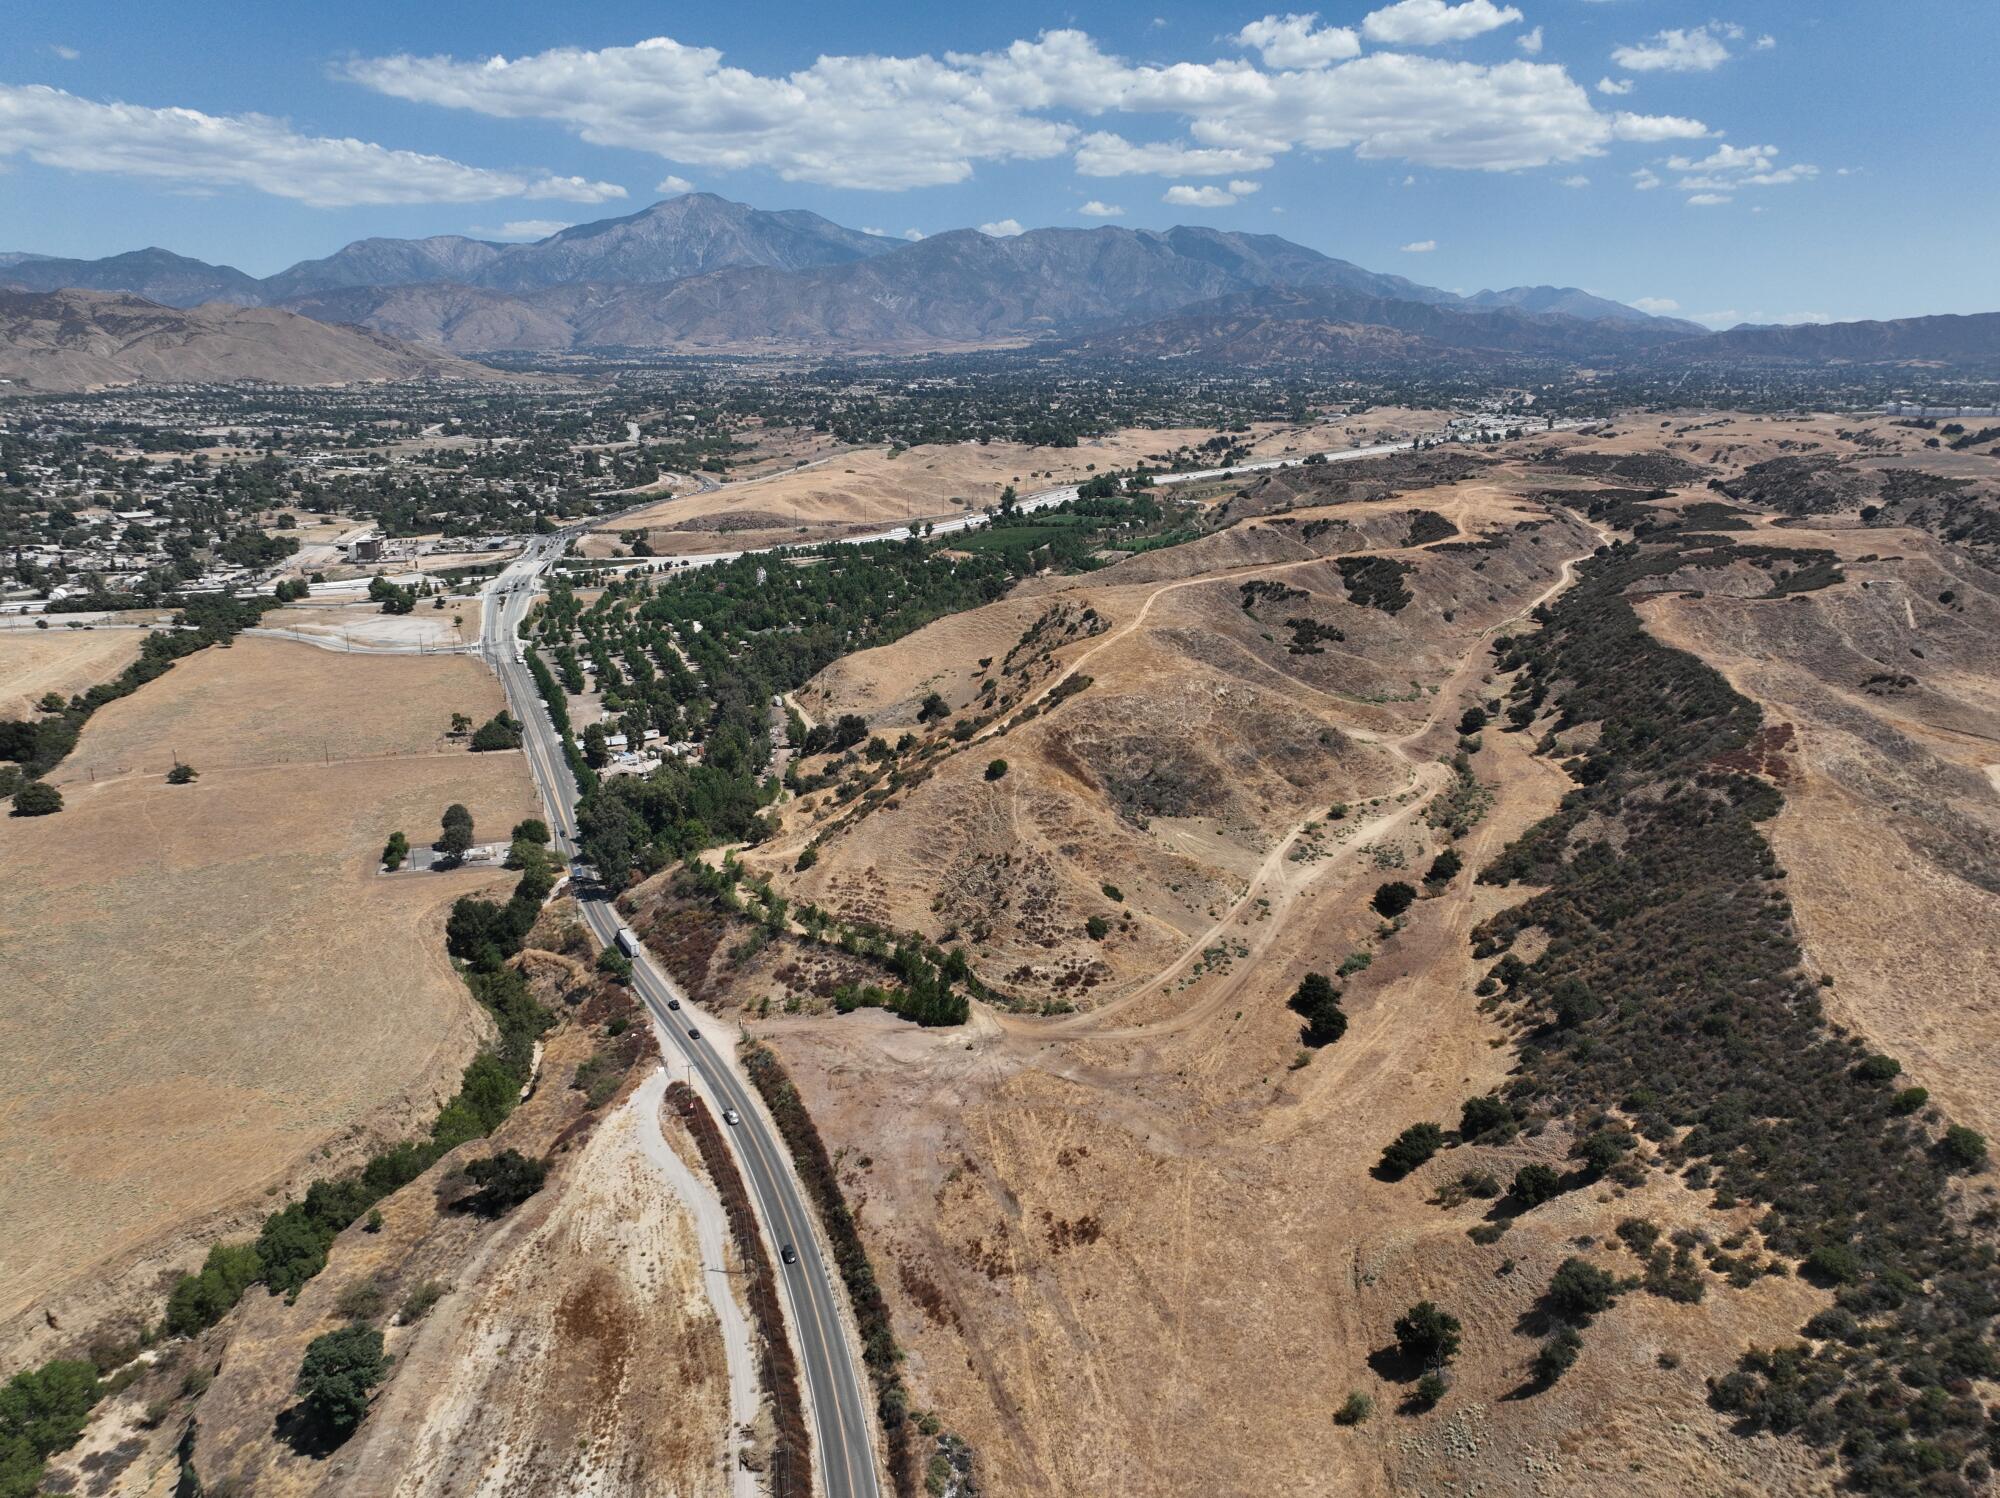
(836,1387)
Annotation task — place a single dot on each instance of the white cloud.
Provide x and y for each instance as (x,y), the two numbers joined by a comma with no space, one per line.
(1659,306)
(1423,23)
(1616,87)
(530,228)
(1729,167)
(1764,43)
(1698,49)
(1107,155)
(1579,180)
(67,54)
(1244,189)
(196,150)
(1419,247)
(889,123)
(1293,41)
(1645,179)
(1183,196)
(1005,228)
(1096,209)
(1530,42)
(913,235)
(672,183)
(1655,127)
(1709,200)
(1728,317)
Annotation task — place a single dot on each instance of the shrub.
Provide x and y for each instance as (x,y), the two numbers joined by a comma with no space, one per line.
(37,799)
(1444,868)
(1879,1069)
(1430,1389)
(1963,1148)
(1556,1356)
(1579,1290)
(1486,1115)
(200,1300)
(1471,720)
(1834,1262)
(1097,928)
(363,1300)
(1535,1184)
(1354,1410)
(995,769)
(1392,899)
(1113,892)
(1411,1148)
(336,1374)
(1427,1334)
(182,775)
(1911,1099)
(505,1181)
(417,1304)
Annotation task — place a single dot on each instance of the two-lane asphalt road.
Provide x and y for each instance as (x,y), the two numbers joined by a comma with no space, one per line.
(836,1386)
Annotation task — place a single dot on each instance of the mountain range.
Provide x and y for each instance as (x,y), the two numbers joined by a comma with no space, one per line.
(698,272)
(85,340)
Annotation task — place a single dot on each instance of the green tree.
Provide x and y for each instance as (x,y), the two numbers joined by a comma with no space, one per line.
(42,1411)
(182,775)
(532,830)
(501,731)
(1427,1334)
(1392,899)
(336,1374)
(1579,1290)
(461,725)
(395,851)
(1317,1002)
(1535,1184)
(37,799)
(455,839)
(596,747)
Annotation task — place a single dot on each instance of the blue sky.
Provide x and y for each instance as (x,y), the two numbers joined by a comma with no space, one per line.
(1756,161)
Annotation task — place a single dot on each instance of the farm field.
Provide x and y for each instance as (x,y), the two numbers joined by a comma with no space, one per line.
(213,989)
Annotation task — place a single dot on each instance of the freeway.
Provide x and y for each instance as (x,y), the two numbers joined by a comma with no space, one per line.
(836,1388)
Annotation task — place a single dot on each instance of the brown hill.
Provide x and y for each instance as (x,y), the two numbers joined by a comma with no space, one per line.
(85,340)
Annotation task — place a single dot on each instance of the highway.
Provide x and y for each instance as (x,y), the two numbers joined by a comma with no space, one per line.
(836,1386)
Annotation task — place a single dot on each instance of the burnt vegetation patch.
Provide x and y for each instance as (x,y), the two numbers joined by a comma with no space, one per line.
(1672,995)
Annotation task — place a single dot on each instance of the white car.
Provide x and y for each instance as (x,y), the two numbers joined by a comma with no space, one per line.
(731,1117)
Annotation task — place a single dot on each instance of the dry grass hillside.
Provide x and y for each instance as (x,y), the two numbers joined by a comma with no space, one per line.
(213,991)
(1236,692)
(1095,1211)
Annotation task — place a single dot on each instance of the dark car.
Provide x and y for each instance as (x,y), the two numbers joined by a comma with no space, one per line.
(789,1254)
(694,1035)
(673,1003)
